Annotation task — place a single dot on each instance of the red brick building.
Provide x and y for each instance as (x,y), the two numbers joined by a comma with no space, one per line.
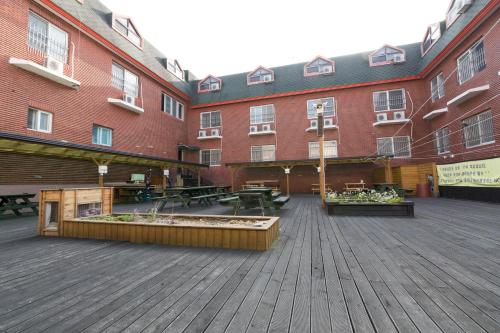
(77,75)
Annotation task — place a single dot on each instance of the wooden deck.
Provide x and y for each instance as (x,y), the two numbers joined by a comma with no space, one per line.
(437,272)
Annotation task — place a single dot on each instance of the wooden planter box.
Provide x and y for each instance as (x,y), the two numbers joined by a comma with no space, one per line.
(225,236)
(371,209)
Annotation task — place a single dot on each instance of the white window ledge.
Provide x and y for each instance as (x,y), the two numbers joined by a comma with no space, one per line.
(465,96)
(391,122)
(127,106)
(435,113)
(262,133)
(313,129)
(208,137)
(35,68)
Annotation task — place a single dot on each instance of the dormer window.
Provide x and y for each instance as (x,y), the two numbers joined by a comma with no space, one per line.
(431,36)
(319,66)
(260,75)
(174,68)
(210,83)
(387,55)
(456,8)
(125,27)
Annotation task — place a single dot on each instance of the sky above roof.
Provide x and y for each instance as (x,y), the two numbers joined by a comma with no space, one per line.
(226,36)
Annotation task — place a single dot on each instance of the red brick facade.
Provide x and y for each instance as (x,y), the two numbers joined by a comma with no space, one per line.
(156,133)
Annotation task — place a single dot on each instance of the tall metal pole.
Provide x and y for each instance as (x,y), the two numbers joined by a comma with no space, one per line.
(321,136)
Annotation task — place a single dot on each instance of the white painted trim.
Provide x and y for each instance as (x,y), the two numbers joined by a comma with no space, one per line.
(312,129)
(391,122)
(208,137)
(262,133)
(35,68)
(122,104)
(468,94)
(433,114)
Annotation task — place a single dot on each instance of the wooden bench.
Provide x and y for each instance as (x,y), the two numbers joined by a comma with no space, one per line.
(205,198)
(17,207)
(252,200)
(161,202)
(354,187)
(315,188)
(18,202)
(280,201)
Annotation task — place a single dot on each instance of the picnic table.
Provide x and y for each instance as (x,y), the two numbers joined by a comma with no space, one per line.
(185,195)
(17,202)
(274,184)
(355,187)
(262,197)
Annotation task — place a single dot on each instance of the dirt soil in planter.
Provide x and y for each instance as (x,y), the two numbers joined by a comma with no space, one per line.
(180,220)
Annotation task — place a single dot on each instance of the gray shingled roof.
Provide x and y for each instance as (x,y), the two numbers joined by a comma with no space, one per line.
(98,17)
(350,69)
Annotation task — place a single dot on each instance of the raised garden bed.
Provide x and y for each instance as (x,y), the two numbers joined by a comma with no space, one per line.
(213,231)
(404,208)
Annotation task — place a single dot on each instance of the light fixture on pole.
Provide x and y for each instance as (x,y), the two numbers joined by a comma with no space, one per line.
(321,168)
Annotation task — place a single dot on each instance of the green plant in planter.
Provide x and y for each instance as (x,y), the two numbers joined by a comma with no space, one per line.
(364,197)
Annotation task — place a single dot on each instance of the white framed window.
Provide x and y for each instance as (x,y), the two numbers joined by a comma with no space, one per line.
(167,104)
(437,87)
(319,66)
(124,80)
(125,27)
(47,38)
(478,130)
(389,100)
(210,119)
(398,146)
(456,8)
(387,55)
(174,67)
(260,75)
(263,153)
(328,110)
(471,62)
(262,114)
(210,157)
(210,83)
(432,34)
(442,140)
(39,120)
(330,149)
(102,135)
(179,110)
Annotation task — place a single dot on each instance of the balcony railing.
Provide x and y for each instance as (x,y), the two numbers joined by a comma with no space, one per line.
(40,42)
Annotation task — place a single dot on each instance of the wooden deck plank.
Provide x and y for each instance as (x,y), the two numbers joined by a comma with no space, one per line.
(437,272)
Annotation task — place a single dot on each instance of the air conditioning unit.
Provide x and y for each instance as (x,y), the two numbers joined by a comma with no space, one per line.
(328,122)
(214,132)
(214,86)
(325,70)
(400,115)
(267,78)
(253,129)
(266,128)
(398,58)
(382,117)
(129,99)
(465,4)
(202,134)
(314,124)
(54,65)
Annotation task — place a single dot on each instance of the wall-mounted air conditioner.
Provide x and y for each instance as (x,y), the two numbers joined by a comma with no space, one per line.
(314,124)
(202,134)
(54,65)
(214,132)
(381,116)
(214,86)
(328,122)
(266,128)
(400,115)
(267,78)
(129,99)
(253,129)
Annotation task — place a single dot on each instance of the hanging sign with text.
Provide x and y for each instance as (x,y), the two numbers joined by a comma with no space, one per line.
(484,173)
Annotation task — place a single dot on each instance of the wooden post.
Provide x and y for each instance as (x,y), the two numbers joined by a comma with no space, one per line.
(321,135)
(287,170)
(435,176)
(101,180)
(388,170)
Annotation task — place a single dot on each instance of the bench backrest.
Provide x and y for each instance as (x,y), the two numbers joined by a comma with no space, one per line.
(251,197)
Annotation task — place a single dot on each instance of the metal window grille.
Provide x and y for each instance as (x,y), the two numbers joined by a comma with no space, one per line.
(471,62)
(263,153)
(389,100)
(478,129)
(330,149)
(442,140)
